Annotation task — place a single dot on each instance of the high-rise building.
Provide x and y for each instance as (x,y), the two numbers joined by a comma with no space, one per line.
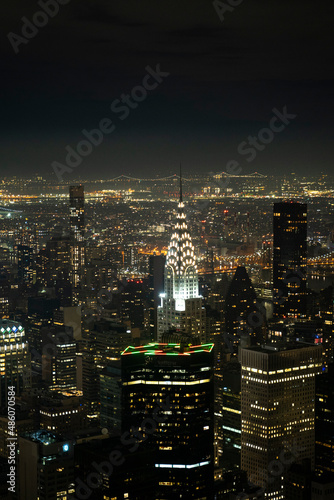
(110,397)
(156,288)
(46,466)
(14,359)
(167,393)
(289,262)
(25,272)
(77,233)
(324,421)
(4,296)
(230,420)
(59,358)
(277,411)
(241,315)
(23,423)
(62,413)
(181,305)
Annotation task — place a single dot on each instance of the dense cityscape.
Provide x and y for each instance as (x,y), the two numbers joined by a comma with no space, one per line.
(167,337)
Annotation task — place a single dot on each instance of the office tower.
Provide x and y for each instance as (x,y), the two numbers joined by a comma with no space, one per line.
(25,272)
(167,392)
(69,317)
(181,305)
(130,256)
(59,358)
(111,339)
(90,373)
(289,262)
(4,296)
(297,484)
(324,421)
(101,346)
(23,423)
(303,484)
(277,411)
(59,259)
(156,288)
(231,416)
(77,233)
(62,413)
(46,466)
(242,317)
(59,270)
(133,300)
(42,267)
(14,359)
(130,475)
(325,309)
(110,397)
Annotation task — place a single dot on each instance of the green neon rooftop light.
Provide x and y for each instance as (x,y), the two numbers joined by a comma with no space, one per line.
(170,349)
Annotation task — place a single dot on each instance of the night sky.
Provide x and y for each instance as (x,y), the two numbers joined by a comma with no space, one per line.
(225,78)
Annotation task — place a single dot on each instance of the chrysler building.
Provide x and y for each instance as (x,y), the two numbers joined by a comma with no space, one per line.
(181,306)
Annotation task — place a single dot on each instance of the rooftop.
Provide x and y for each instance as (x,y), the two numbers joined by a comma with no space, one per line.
(280,347)
(42,436)
(9,325)
(171,349)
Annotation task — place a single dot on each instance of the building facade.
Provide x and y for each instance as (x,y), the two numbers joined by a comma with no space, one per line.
(14,359)
(167,394)
(77,233)
(277,411)
(289,261)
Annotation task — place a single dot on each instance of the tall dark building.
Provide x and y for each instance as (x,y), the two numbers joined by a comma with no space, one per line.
(241,315)
(59,268)
(324,421)
(231,416)
(4,296)
(289,263)
(77,232)
(110,397)
(167,392)
(24,264)
(46,466)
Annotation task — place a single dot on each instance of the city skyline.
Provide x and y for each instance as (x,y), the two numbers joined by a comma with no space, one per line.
(210,391)
(166,250)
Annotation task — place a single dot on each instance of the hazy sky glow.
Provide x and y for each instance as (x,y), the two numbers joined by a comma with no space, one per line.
(225,79)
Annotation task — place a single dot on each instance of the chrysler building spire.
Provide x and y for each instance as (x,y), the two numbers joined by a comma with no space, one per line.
(180,184)
(181,305)
(181,279)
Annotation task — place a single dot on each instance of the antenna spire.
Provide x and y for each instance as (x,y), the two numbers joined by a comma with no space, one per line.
(180,183)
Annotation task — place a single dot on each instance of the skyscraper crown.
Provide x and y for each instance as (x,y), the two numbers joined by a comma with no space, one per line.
(181,279)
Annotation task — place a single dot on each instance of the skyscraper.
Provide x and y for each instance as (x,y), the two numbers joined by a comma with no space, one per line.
(46,466)
(289,264)
(324,424)
(59,361)
(181,305)
(277,411)
(156,287)
(167,392)
(77,232)
(4,296)
(241,315)
(25,271)
(14,359)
